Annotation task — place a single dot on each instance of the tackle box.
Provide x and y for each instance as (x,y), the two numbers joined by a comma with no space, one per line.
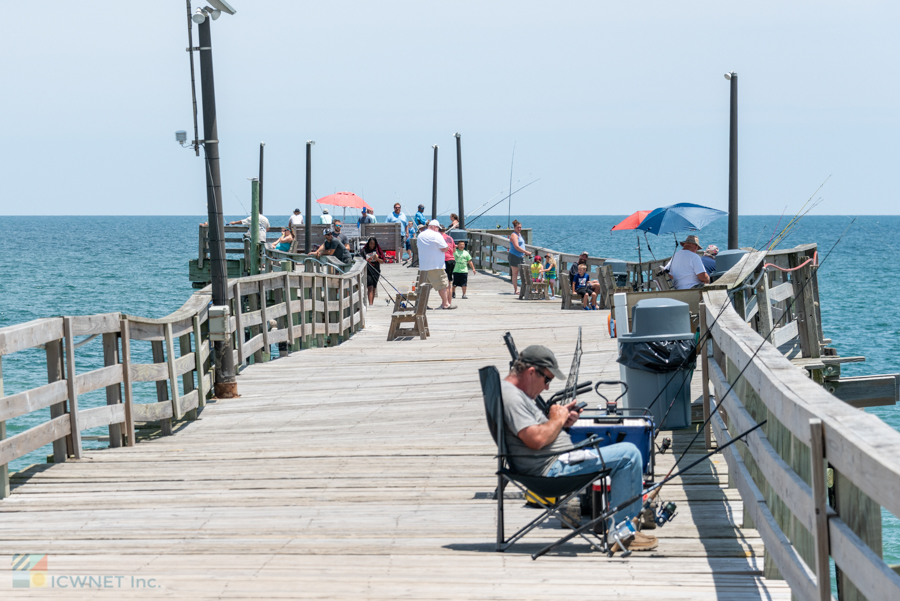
(618,428)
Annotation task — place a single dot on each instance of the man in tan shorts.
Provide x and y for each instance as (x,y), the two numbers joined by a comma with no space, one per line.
(432,264)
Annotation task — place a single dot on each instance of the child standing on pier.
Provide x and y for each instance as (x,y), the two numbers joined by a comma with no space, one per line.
(462,264)
(549,271)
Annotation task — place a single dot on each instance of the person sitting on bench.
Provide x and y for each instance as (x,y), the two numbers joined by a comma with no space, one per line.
(534,433)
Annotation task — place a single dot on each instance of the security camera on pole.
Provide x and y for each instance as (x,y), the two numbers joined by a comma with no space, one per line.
(225,385)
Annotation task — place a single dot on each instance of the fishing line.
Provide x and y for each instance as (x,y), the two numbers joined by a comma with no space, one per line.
(613,510)
(758,348)
(501,200)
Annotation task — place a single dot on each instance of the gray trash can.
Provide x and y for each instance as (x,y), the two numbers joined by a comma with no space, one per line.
(727,259)
(619,271)
(661,341)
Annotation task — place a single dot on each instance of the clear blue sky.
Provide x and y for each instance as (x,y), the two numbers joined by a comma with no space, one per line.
(615,106)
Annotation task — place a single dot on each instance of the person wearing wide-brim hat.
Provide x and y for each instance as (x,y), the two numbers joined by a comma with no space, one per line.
(686,267)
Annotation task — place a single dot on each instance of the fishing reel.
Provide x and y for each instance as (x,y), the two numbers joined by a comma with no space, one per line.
(665,446)
(665,514)
(622,533)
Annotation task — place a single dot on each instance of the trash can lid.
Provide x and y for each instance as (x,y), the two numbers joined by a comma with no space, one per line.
(617,266)
(659,319)
(727,259)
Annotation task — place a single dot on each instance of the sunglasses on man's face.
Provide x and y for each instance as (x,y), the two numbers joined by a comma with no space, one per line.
(547,379)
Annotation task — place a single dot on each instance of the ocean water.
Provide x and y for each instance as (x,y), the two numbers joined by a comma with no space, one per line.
(53,266)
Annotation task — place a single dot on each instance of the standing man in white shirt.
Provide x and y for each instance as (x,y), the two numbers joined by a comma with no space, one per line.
(432,264)
(325,218)
(296,219)
(686,266)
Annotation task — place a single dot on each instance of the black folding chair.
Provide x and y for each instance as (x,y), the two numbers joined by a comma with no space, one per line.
(562,488)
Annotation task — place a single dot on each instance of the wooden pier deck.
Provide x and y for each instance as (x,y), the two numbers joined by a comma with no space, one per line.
(363,471)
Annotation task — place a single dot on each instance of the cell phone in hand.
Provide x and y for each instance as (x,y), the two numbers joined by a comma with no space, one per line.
(580,406)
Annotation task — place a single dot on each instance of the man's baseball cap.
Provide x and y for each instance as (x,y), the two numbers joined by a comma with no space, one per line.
(584,253)
(435,223)
(541,356)
(296,210)
(329,232)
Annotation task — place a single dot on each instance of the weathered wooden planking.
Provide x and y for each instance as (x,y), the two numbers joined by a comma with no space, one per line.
(101,416)
(98,378)
(30,334)
(790,487)
(152,412)
(795,571)
(34,438)
(103,323)
(852,437)
(31,400)
(149,372)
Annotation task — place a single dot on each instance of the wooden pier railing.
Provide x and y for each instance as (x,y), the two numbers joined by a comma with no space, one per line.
(814,479)
(293,309)
(491,252)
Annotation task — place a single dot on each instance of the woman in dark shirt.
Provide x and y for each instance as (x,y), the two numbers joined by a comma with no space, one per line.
(374,257)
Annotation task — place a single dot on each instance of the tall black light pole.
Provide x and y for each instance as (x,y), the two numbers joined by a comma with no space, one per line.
(434,186)
(262,146)
(307,239)
(226,386)
(733,165)
(459,185)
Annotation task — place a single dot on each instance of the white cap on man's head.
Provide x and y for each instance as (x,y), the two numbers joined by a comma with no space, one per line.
(435,223)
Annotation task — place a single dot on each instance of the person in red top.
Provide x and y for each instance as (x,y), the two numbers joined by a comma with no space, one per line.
(449,261)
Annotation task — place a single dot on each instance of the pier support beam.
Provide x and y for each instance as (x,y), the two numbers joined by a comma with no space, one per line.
(733,165)
(459,184)
(226,386)
(434,186)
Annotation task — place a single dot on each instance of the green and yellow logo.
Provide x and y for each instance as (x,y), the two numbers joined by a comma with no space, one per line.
(29,571)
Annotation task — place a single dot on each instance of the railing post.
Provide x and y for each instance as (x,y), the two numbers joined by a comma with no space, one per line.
(820,508)
(266,349)
(763,306)
(55,373)
(289,314)
(198,363)
(187,379)
(173,379)
(238,328)
(704,366)
(114,392)
(162,388)
(362,279)
(75,435)
(4,469)
(126,383)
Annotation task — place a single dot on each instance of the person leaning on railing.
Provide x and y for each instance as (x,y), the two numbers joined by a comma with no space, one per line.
(333,247)
(535,436)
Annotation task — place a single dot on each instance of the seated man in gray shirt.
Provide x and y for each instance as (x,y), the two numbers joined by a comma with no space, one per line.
(533,433)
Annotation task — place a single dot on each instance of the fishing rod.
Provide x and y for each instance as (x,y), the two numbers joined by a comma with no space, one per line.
(509,198)
(501,200)
(652,496)
(625,523)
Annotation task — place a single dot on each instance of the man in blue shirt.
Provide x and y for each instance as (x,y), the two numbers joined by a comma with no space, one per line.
(398,217)
(420,218)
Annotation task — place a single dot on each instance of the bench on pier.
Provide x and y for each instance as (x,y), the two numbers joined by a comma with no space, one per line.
(415,315)
(570,300)
(530,289)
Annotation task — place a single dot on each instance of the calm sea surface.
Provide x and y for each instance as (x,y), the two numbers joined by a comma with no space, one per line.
(53,266)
